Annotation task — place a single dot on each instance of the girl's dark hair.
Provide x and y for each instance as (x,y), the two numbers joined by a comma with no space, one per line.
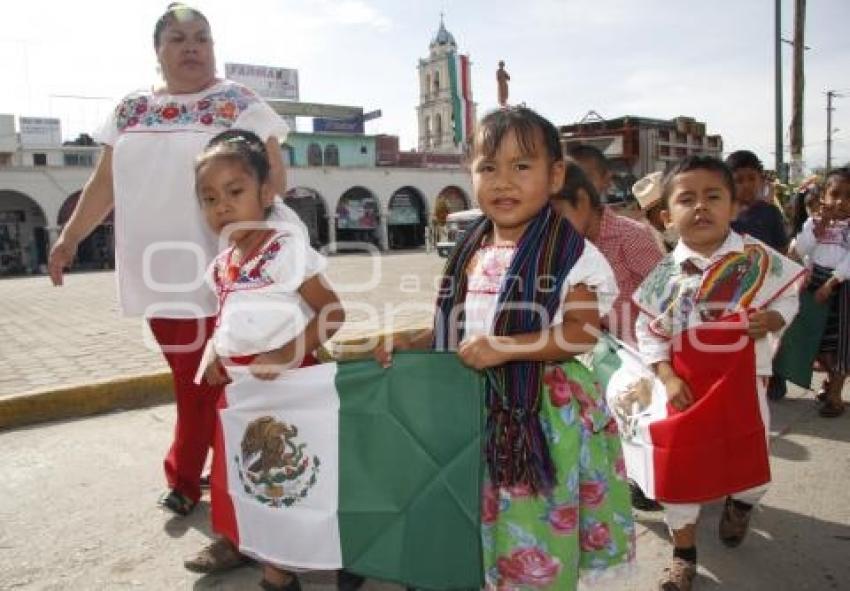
(238,145)
(176,11)
(842,174)
(524,123)
(697,162)
(575,180)
(801,199)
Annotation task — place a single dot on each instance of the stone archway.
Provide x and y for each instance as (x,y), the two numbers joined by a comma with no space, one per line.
(449,200)
(358,217)
(313,211)
(97,251)
(24,240)
(407,221)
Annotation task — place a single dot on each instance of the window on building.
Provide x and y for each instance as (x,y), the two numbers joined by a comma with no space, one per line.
(331,155)
(664,150)
(427,83)
(364,150)
(5,159)
(314,155)
(438,127)
(664,135)
(436,83)
(427,131)
(39,159)
(79,159)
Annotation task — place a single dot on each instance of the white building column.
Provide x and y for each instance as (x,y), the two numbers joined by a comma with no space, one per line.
(384,235)
(332,234)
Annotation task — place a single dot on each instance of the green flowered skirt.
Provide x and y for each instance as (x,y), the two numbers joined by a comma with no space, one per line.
(584,526)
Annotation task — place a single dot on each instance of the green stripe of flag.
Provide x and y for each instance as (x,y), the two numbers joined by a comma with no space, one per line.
(457,105)
(410,470)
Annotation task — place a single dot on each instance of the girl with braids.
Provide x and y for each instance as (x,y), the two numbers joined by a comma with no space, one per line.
(275,306)
(520,298)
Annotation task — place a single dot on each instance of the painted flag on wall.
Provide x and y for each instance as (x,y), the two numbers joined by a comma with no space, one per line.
(463,109)
(349,465)
(716,446)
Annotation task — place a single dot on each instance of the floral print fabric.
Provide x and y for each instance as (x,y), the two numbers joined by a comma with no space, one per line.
(584,525)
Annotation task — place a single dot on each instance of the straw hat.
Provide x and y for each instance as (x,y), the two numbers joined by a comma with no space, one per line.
(647,190)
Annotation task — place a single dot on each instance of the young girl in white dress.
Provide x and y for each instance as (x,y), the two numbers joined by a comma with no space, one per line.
(275,305)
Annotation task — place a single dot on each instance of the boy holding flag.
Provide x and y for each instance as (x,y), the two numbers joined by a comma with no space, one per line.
(709,312)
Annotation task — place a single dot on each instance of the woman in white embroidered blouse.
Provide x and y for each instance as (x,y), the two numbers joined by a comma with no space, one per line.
(163,245)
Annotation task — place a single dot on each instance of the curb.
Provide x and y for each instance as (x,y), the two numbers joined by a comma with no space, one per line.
(139,391)
(86,400)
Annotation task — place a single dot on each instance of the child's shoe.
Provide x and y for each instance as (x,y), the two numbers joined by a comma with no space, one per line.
(734,522)
(678,575)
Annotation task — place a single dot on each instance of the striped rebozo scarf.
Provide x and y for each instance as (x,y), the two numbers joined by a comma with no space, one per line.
(516,449)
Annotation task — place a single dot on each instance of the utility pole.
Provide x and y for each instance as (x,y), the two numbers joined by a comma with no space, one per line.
(780,168)
(799,85)
(830,94)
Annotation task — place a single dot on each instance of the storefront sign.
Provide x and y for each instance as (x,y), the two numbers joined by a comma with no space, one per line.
(268,82)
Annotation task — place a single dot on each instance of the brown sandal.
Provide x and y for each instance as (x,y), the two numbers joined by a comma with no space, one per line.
(218,557)
(831,409)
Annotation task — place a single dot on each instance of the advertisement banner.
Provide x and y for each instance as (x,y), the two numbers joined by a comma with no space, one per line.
(40,131)
(357,213)
(267,81)
(403,210)
(353,125)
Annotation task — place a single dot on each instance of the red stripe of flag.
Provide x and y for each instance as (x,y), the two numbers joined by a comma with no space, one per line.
(717,446)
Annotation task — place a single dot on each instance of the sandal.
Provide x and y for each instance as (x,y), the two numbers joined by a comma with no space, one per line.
(831,409)
(293,585)
(177,503)
(218,557)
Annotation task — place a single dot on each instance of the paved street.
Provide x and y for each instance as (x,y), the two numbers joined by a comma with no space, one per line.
(77,512)
(77,497)
(51,337)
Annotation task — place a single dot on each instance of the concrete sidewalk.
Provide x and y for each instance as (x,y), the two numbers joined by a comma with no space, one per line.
(77,507)
(67,352)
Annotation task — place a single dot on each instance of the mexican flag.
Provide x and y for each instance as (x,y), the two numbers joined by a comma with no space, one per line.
(463,109)
(715,447)
(349,465)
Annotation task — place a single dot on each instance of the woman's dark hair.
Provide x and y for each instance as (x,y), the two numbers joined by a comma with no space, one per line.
(238,145)
(575,180)
(696,162)
(744,159)
(179,12)
(524,123)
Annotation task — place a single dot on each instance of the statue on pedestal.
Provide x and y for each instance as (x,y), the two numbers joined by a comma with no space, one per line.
(502,78)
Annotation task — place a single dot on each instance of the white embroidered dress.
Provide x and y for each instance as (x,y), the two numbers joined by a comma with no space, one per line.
(260,308)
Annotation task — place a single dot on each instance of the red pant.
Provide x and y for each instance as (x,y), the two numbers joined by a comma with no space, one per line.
(182,342)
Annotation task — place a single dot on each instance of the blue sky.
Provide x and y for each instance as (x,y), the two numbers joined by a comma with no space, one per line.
(656,58)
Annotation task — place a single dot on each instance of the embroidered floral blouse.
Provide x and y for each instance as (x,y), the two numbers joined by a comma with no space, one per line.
(488,268)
